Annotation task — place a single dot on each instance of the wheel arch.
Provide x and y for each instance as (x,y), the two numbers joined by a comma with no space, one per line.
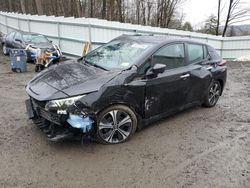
(221,85)
(117,103)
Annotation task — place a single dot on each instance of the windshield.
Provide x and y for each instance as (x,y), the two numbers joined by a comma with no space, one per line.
(34,38)
(117,54)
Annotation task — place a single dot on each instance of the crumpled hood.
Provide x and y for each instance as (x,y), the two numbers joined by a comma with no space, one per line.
(66,79)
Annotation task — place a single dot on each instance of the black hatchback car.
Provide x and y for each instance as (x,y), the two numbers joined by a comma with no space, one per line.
(29,41)
(124,85)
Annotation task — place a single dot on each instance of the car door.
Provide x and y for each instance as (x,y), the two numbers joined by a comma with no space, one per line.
(199,71)
(167,91)
(17,42)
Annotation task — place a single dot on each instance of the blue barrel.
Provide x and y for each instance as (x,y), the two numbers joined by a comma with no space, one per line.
(18,60)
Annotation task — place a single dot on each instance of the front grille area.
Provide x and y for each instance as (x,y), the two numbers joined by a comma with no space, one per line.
(52,117)
(39,107)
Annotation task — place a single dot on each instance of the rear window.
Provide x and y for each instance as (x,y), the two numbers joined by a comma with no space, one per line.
(213,54)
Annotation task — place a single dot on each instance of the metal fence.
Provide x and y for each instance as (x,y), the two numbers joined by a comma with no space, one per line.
(71,33)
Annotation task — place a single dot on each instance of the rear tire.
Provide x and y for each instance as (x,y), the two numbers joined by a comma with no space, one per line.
(37,68)
(115,125)
(213,94)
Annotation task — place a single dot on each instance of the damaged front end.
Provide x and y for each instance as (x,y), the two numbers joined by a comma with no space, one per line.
(61,119)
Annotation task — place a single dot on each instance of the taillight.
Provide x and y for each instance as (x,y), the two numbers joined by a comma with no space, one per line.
(222,63)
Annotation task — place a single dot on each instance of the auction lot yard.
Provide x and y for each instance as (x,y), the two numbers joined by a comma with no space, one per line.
(200,147)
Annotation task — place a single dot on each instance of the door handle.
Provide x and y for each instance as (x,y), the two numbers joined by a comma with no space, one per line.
(209,68)
(185,75)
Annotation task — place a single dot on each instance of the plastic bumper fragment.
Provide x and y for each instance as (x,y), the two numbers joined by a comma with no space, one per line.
(80,122)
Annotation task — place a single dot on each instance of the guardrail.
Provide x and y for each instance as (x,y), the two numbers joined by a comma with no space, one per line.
(71,33)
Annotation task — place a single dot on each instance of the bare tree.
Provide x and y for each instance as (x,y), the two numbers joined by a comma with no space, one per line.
(143,9)
(119,8)
(91,8)
(10,5)
(22,2)
(146,12)
(149,6)
(78,8)
(235,14)
(218,17)
(39,7)
(138,11)
(104,3)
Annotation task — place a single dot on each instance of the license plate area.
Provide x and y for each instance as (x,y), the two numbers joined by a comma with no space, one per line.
(49,116)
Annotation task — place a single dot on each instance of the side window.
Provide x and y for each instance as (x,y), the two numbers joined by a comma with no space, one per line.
(172,56)
(195,52)
(18,36)
(213,54)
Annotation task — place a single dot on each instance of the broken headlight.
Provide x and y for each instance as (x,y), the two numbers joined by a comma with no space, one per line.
(62,104)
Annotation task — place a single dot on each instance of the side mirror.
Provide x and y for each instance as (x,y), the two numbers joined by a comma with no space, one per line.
(156,69)
(18,40)
(50,41)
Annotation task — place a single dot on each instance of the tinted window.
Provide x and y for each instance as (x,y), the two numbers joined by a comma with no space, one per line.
(172,56)
(195,52)
(213,54)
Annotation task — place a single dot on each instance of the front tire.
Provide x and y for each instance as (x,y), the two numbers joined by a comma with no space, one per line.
(5,51)
(213,94)
(116,124)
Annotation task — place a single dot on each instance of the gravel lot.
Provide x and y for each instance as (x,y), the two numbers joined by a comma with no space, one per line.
(200,147)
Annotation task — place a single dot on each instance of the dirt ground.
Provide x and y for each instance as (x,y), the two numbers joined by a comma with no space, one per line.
(200,147)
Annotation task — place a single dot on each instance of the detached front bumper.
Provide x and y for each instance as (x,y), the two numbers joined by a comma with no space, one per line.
(56,126)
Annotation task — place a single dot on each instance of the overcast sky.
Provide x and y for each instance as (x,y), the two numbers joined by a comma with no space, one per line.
(196,11)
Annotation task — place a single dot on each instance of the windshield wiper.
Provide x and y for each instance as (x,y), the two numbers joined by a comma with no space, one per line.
(98,66)
(94,65)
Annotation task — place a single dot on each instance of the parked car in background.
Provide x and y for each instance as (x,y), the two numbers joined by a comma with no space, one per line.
(2,36)
(123,85)
(29,41)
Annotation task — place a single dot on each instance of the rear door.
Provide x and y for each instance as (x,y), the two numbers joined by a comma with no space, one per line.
(167,92)
(199,71)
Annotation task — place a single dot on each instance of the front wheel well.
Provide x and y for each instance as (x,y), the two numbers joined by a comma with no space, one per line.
(117,103)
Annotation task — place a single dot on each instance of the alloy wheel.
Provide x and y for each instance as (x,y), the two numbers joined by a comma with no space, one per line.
(115,126)
(214,93)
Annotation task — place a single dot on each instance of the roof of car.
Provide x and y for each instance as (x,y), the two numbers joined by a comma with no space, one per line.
(156,39)
(29,33)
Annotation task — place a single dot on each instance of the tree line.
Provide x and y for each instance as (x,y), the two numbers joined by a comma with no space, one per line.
(159,13)
(162,13)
